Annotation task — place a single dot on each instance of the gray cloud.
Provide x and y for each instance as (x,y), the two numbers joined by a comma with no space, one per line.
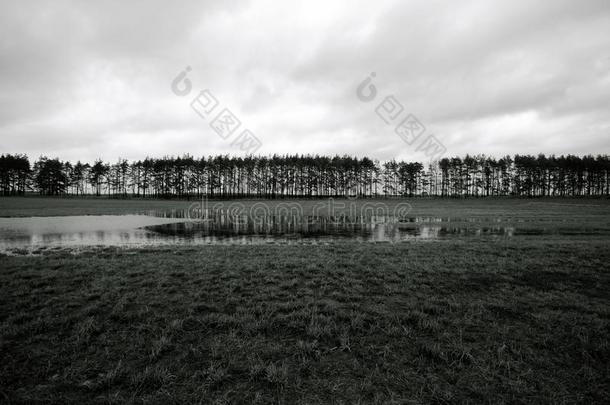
(87,80)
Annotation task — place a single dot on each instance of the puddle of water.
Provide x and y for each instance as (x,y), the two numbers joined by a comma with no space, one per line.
(241,229)
(170,228)
(86,230)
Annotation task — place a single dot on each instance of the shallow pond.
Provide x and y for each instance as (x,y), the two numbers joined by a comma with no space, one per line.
(222,228)
(86,230)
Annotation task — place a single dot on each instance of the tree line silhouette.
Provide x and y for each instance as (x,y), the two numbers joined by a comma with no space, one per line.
(309,176)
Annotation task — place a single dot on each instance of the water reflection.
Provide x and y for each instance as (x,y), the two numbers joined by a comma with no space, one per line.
(169,228)
(243,229)
(86,230)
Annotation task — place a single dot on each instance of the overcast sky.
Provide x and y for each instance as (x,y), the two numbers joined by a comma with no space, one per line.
(81,80)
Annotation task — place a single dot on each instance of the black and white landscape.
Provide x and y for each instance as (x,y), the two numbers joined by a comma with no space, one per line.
(259,202)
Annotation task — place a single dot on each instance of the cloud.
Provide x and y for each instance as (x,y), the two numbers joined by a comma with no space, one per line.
(86,80)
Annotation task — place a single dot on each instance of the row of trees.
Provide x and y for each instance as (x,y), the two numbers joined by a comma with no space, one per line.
(309,176)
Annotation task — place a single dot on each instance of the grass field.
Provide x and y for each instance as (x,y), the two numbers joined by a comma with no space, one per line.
(551,211)
(525,320)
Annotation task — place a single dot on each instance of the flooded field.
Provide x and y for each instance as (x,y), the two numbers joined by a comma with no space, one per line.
(82,230)
(454,287)
(174,227)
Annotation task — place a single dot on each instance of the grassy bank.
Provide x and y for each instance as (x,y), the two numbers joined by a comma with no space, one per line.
(522,321)
(586,211)
(57,206)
